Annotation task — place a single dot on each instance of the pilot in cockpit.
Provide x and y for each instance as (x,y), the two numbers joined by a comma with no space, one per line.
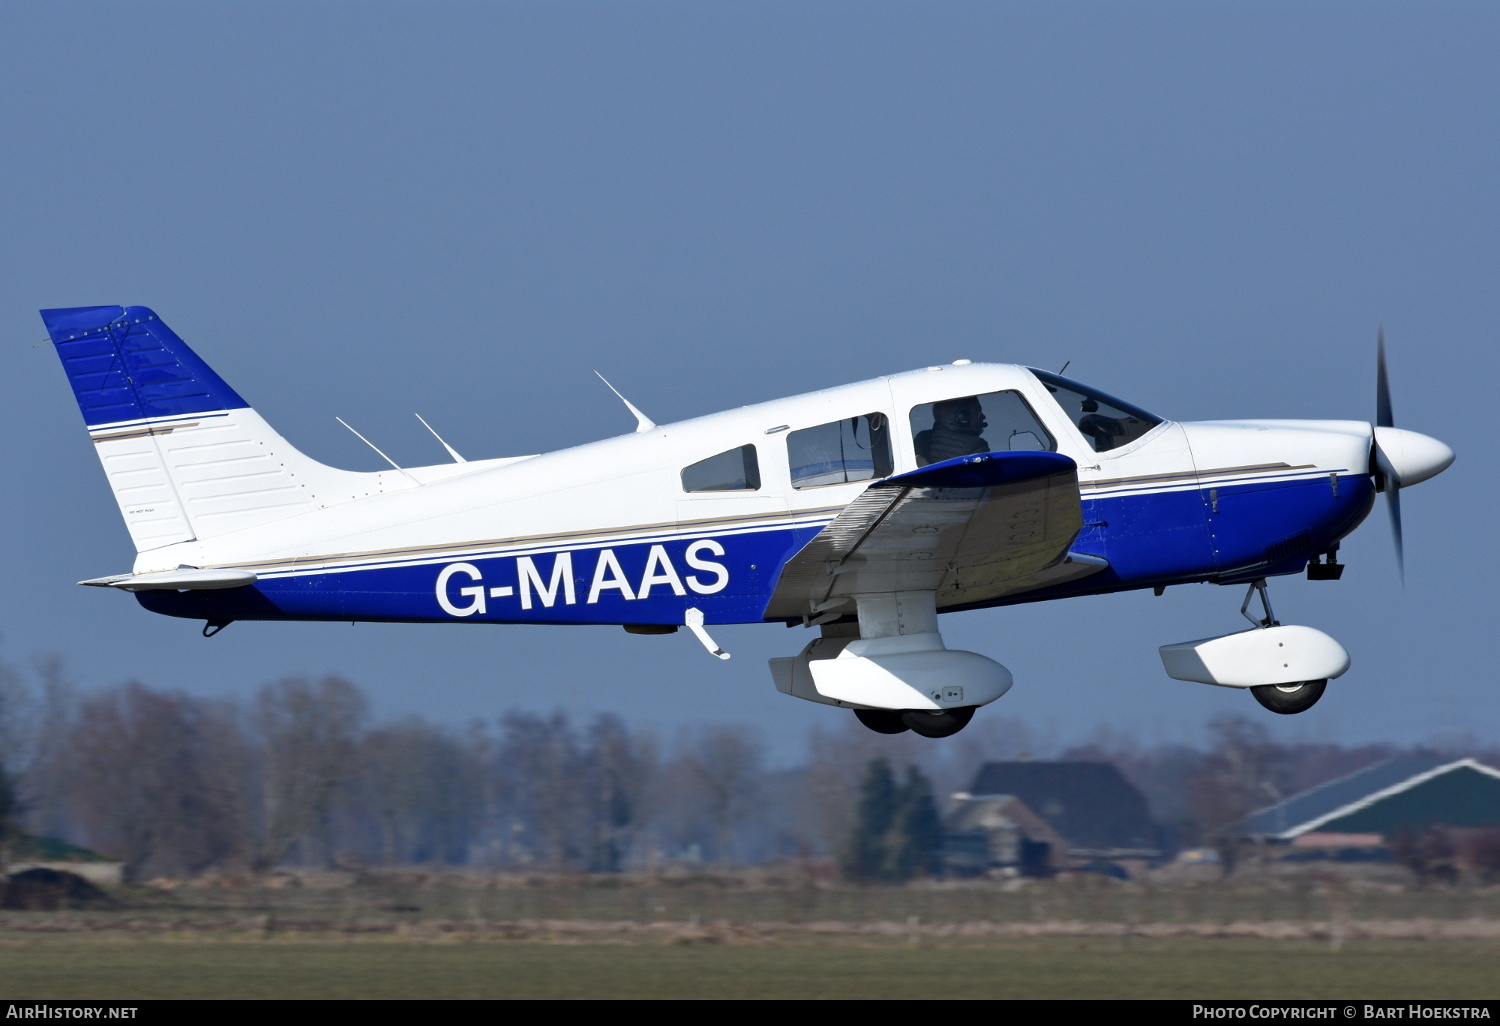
(957,427)
(1101,430)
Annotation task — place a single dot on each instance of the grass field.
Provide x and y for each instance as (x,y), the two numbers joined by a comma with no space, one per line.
(130,967)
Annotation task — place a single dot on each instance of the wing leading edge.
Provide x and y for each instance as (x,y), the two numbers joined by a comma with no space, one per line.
(971,529)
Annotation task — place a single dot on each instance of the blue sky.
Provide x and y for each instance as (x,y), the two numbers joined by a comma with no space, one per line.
(370,209)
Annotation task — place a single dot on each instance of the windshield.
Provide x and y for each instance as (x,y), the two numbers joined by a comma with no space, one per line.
(1105,421)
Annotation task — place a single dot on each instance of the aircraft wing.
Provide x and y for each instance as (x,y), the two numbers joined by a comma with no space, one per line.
(972,528)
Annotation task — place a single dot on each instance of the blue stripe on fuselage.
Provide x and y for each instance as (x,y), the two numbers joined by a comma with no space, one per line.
(1171,537)
(729,577)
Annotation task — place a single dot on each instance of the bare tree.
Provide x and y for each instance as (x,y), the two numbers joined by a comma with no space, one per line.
(837,762)
(12,760)
(417,782)
(544,784)
(622,765)
(487,842)
(307,732)
(155,780)
(46,779)
(726,762)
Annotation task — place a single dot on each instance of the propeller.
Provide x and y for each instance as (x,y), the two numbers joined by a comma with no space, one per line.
(1399,458)
(1385,418)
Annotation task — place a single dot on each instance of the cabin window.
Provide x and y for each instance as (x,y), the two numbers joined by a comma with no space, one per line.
(853,449)
(734,471)
(1104,420)
(993,422)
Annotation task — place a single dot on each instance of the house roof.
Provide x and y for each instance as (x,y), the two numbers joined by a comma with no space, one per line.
(1091,804)
(999,812)
(1346,803)
(52,849)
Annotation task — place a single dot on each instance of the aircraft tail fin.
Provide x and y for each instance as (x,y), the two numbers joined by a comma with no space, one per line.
(186,457)
(125,365)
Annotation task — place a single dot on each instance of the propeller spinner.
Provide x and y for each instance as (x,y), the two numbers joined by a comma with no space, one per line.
(1399,458)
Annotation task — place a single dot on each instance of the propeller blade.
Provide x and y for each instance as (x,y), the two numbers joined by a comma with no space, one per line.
(1383,416)
(1393,504)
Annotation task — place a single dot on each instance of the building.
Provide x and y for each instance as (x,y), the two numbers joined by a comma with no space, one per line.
(998,832)
(31,852)
(1086,813)
(1368,807)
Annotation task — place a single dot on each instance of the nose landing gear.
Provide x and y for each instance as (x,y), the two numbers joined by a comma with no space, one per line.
(1285,667)
(1289,698)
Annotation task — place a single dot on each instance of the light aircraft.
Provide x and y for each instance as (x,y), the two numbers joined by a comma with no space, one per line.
(863,511)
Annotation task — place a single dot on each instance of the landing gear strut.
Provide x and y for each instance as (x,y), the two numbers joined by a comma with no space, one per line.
(1258,587)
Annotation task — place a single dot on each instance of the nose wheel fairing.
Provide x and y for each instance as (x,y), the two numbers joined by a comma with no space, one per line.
(1284,666)
(1269,656)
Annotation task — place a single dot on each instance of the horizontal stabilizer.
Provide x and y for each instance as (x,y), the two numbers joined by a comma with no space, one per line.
(176,580)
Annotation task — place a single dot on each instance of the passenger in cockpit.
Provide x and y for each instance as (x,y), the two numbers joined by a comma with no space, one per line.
(957,427)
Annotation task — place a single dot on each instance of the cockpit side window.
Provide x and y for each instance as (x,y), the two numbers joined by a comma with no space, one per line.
(734,471)
(1105,421)
(976,423)
(853,449)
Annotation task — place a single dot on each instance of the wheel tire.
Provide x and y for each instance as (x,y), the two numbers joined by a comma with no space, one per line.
(882,721)
(938,724)
(1287,699)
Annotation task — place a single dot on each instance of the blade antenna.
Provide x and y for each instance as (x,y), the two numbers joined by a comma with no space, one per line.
(642,422)
(451,451)
(382,455)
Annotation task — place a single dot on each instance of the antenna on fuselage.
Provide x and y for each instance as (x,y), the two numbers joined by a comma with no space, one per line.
(382,455)
(642,422)
(451,451)
(1065,366)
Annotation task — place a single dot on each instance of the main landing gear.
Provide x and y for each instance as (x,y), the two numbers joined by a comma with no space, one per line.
(944,723)
(1286,668)
(892,669)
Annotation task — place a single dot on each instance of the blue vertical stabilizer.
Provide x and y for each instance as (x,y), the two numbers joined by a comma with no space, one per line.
(124,364)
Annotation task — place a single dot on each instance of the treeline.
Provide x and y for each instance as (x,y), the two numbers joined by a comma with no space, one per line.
(173,784)
(299,774)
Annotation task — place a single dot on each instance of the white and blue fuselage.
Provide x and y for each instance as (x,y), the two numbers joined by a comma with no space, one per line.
(704,514)
(604,533)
